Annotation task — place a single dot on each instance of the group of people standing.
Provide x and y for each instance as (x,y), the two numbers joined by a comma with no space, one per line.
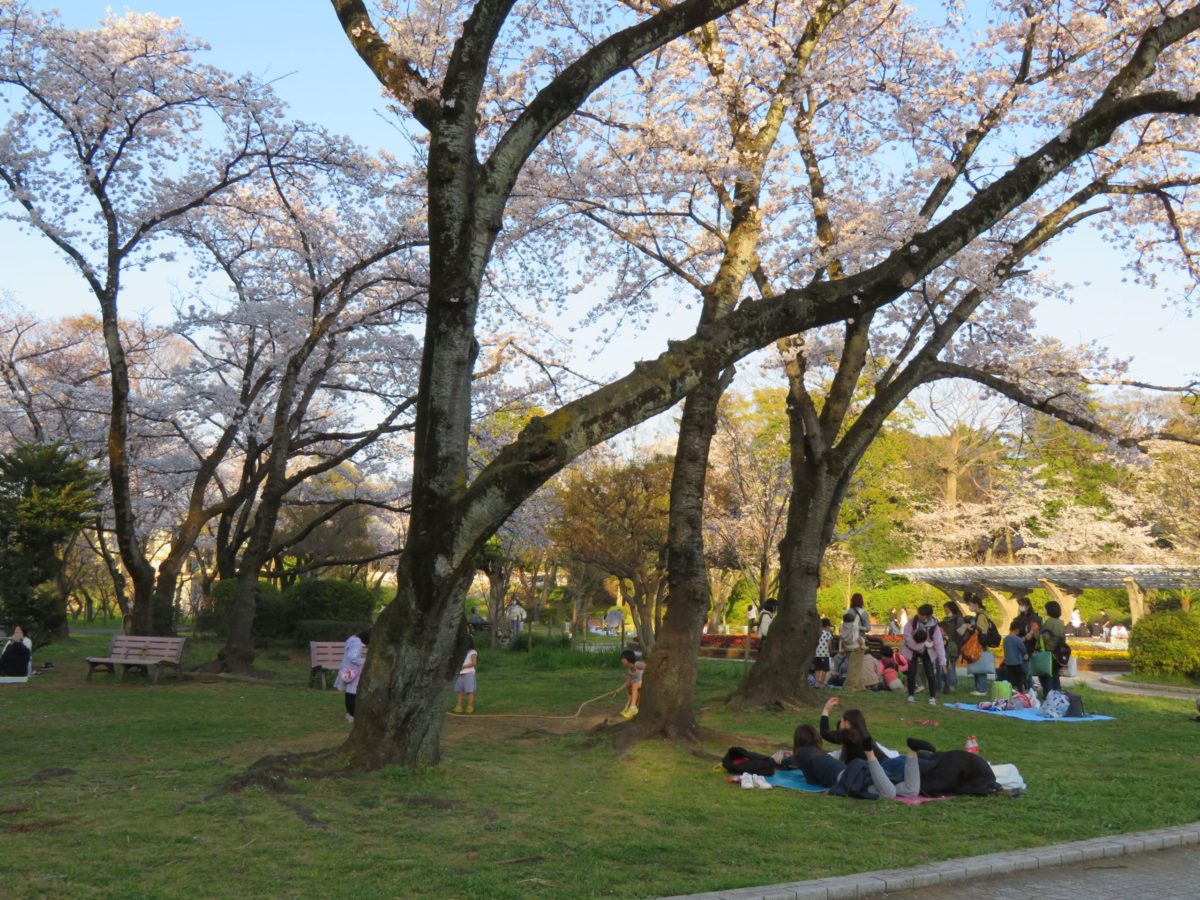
(931,647)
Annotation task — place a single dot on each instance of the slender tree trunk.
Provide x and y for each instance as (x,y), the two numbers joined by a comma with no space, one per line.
(780,674)
(667,702)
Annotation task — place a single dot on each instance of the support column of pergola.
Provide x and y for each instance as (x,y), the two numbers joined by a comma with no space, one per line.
(1137,599)
(1067,597)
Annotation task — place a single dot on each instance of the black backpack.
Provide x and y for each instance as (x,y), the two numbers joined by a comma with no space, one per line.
(738,760)
(993,635)
(1075,707)
(1062,653)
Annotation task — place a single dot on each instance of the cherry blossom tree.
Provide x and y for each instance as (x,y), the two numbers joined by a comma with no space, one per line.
(114,134)
(1126,70)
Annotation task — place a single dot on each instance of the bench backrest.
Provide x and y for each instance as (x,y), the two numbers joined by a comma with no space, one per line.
(327,654)
(125,646)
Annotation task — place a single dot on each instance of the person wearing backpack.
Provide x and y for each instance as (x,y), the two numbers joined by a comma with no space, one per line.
(954,632)
(1053,636)
(854,645)
(923,644)
(985,630)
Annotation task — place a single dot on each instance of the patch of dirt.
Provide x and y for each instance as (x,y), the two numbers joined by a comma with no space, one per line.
(32,826)
(45,775)
(304,814)
(14,809)
(430,803)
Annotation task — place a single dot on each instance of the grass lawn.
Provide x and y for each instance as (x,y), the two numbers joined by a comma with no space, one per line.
(1172,680)
(108,790)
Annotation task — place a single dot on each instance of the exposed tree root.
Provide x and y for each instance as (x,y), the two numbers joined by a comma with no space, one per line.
(272,773)
(43,775)
(234,669)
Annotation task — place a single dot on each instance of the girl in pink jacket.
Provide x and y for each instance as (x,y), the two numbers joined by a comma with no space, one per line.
(923,645)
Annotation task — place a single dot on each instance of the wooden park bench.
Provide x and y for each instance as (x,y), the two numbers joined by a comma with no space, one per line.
(129,651)
(325,656)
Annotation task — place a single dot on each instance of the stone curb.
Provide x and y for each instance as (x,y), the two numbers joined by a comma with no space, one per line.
(954,871)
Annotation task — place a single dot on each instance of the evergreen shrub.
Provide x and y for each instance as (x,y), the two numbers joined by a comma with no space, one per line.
(329,599)
(1166,643)
(270,616)
(307,630)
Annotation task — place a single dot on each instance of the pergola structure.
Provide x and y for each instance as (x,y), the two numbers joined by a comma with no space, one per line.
(1007,584)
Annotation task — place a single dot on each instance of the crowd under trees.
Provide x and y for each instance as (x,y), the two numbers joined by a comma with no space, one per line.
(860,194)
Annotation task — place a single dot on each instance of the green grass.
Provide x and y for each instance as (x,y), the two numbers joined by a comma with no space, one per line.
(519,807)
(1171,680)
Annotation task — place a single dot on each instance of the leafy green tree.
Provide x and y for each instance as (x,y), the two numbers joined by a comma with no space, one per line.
(47,496)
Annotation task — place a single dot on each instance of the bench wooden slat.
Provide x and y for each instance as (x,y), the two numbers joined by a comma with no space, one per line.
(131,651)
(325,656)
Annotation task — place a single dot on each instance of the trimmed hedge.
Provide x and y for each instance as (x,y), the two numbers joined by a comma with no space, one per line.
(327,630)
(329,599)
(1166,643)
(270,615)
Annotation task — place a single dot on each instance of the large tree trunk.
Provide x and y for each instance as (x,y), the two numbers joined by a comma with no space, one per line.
(667,703)
(780,674)
(415,652)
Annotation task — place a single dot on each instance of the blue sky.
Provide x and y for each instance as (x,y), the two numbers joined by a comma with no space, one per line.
(301,47)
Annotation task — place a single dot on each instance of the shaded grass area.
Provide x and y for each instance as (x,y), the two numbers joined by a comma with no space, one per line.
(113,790)
(1169,680)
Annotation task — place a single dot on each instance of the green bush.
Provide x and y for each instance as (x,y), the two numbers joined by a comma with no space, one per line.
(833,600)
(329,599)
(740,597)
(1166,643)
(327,630)
(270,616)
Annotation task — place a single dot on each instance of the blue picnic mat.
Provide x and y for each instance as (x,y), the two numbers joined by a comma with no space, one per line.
(794,779)
(1026,715)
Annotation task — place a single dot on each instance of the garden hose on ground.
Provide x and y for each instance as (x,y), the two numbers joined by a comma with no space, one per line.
(531,715)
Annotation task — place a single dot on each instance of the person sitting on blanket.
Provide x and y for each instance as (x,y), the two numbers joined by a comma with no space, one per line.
(853,722)
(863,779)
(891,666)
(16,654)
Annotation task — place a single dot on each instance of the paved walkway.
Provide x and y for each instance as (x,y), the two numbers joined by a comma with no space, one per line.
(1161,864)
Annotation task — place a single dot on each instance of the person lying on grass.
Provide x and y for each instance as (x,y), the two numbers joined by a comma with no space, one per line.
(863,779)
(937,774)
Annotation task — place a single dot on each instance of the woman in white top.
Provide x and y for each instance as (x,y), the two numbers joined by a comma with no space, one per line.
(16,655)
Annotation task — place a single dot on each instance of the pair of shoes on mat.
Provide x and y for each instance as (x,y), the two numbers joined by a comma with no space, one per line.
(754,781)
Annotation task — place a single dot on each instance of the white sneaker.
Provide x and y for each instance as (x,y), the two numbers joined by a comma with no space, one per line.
(912,699)
(747,780)
(349,718)
(978,693)
(760,781)
(933,701)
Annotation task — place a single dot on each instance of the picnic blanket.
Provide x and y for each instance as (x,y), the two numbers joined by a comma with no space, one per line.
(794,779)
(1027,715)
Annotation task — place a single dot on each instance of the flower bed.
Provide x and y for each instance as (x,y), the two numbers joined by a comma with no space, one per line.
(727,642)
(1099,653)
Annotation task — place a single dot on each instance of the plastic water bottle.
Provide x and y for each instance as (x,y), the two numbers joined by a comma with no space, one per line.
(972,745)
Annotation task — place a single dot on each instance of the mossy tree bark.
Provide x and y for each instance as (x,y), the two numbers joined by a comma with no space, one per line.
(421,634)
